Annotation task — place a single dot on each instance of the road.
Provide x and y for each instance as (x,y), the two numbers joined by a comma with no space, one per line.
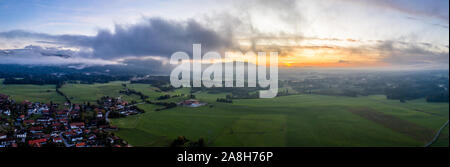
(437,135)
(64,140)
(60,134)
(106,116)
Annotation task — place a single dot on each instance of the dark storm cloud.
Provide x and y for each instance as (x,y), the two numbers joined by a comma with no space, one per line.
(129,45)
(156,37)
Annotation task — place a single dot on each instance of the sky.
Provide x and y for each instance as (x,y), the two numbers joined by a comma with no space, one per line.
(409,34)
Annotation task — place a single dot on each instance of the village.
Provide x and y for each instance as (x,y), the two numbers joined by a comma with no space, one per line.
(35,124)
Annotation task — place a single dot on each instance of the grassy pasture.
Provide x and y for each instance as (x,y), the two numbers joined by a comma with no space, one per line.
(79,93)
(298,120)
(442,141)
(146,89)
(153,93)
(295,120)
(401,126)
(34,93)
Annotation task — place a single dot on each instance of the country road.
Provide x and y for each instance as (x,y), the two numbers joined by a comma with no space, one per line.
(64,140)
(437,135)
(106,116)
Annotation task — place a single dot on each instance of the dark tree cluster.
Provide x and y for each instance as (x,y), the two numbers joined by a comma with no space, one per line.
(167,105)
(131,92)
(182,141)
(236,93)
(40,75)
(164,97)
(407,85)
(224,100)
(161,82)
(59,80)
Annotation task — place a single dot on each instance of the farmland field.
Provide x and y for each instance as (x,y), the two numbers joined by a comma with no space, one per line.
(443,139)
(34,93)
(297,120)
(294,120)
(79,93)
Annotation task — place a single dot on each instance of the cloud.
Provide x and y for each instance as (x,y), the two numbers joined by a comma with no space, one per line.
(423,8)
(343,61)
(145,46)
(56,39)
(53,60)
(268,19)
(156,37)
(286,10)
(153,37)
(37,55)
(39,51)
(161,37)
(402,53)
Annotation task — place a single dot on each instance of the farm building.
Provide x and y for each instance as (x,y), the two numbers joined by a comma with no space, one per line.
(191,103)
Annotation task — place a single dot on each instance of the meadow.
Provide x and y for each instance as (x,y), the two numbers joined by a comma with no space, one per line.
(80,93)
(296,120)
(443,139)
(153,93)
(33,93)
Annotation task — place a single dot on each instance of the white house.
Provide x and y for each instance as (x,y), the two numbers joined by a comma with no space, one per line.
(24,135)
(3,136)
(99,115)
(7,112)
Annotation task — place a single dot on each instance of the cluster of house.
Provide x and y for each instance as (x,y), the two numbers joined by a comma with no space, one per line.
(119,105)
(3,100)
(36,125)
(191,103)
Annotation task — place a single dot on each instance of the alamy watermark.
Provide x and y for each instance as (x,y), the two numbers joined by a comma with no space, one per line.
(211,76)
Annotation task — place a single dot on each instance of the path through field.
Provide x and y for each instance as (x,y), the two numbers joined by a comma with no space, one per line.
(437,135)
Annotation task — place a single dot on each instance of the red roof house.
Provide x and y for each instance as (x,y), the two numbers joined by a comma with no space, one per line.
(37,141)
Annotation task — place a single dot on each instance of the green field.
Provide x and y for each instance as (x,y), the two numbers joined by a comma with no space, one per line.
(146,89)
(443,139)
(33,93)
(297,120)
(153,93)
(80,93)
